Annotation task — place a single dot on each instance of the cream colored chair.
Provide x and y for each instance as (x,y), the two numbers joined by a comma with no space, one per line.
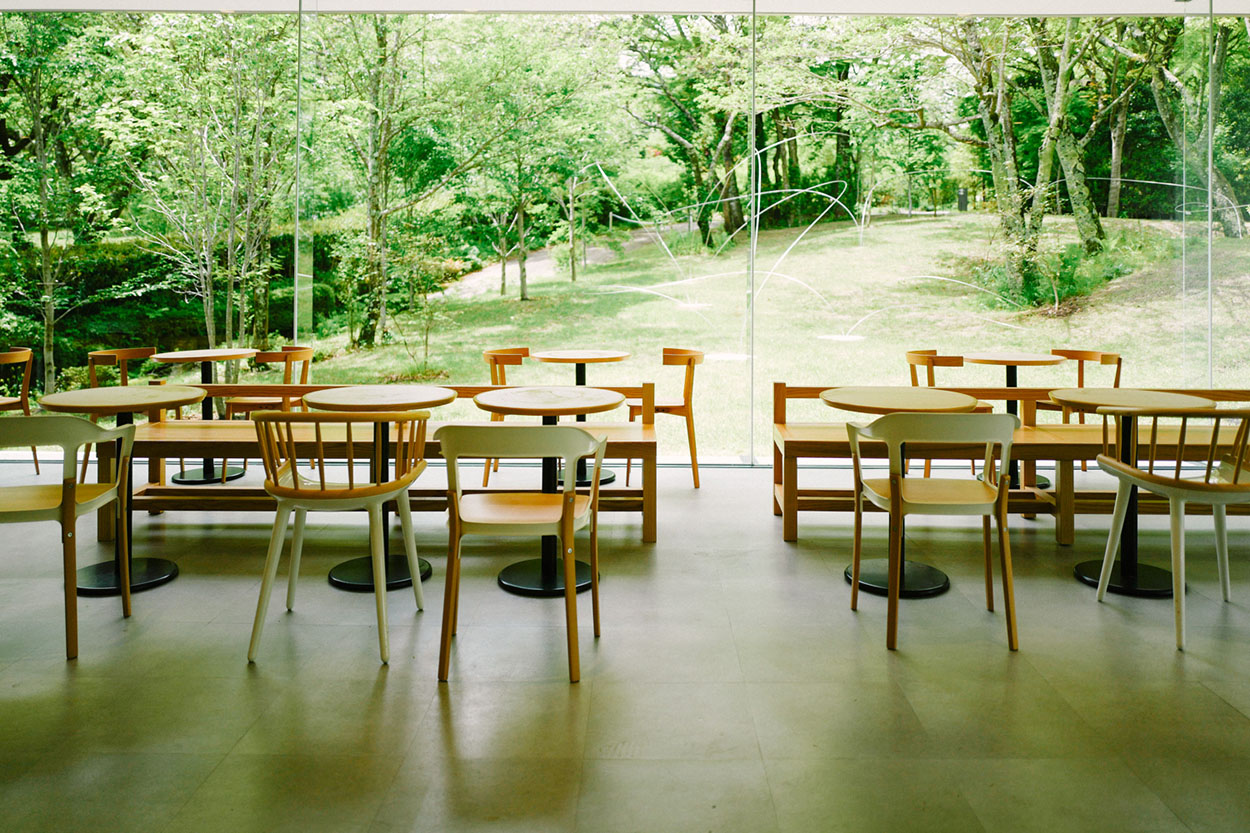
(315,436)
(902,496)
(1216,441)
(521,513)
(683,407)
(65,501)
(499,360)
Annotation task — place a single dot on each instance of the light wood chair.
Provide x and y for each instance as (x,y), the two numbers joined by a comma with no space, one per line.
(66,501)
(119,358)
(521,513)
(499,360)
(902,496)
(682,408)
(289,357)
(1216,441)
(320,436)
(1081,357)
(25,357)
(930,359)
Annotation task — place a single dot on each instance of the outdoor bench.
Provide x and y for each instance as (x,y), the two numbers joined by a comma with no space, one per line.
(160,439)
(1064,444)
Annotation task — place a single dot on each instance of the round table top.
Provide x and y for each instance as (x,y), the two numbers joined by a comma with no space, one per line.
(219,354)
(889,400)
(551,400)
(580,356)
(122,398)
(1088,399)
(379,397)
(1013,358)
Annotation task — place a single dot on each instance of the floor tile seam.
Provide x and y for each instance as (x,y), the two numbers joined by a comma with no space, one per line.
(190,794)
(1225,700)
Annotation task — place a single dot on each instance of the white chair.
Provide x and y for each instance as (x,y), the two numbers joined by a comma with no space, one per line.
(521,513)
(67,500)
(1221,480)
(313,437)
(902,496)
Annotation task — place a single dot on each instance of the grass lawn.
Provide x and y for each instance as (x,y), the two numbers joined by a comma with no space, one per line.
(829,310)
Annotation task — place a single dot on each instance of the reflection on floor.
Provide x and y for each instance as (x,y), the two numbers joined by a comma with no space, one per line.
(732,689)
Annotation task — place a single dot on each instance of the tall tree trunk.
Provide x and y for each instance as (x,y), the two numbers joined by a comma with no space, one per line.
(523,252)
(503,274)
(572,234)
(1088,226)
(731,199)
(1119,130)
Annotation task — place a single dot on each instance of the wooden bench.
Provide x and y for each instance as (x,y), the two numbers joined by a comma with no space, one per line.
(159,439)
(1060,443)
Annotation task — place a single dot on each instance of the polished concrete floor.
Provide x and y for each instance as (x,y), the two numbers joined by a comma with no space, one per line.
(732,688)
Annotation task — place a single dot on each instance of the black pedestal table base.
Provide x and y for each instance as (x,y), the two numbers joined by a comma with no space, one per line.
(103,580)
(525,578)
(919,580)
(1149,582)
(206,476)
(357,574)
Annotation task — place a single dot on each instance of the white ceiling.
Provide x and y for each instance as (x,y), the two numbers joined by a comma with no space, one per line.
(865,7)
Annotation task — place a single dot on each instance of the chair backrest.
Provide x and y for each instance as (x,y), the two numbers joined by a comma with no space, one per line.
(70,433)
(120,357)
(994,431)
(288,357)
(929,359)
(20,355)
(500,358)
(502,442)
(1095,356)
(689,358)
(1216,439)
(288,437)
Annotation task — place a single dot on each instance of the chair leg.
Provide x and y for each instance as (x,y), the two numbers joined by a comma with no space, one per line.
(628,460)
(1219,511)
(451,593)
(410,548)
(34,453)
(989,563)
(896,542)
(694,457)
(376,532)
(1009,593)
(1177,507)
(594,571)
(122,525)
(297,548)
(486,464)
(69,558)
(857,549)
(1113,537)
(570,593)
(276,539)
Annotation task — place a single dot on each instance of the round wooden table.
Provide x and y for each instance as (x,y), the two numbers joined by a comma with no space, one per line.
(208,474)
(545,576)
(1012,360)
(916,580)
(356,574)
(1128,577)
(581,358)
(123,401)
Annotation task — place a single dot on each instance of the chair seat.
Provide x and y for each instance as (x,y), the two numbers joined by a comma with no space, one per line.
(983,407)
(934,492)
(254,400)
(8,402)
(518,508)
(42,498)
(660,404)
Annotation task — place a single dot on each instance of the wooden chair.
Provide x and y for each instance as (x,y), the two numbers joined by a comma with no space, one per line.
(929,359)
(1216,439)
(119,358)
(338,435)
(521,513)
(65,501)
(902,496)
(288,357)
(499,360)
(25,357)
(683,407)
(1081,357)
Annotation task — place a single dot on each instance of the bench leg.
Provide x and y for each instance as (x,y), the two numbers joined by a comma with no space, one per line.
(1065,504)
(648,497)
(106,526)
(777,481)
(790,499)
